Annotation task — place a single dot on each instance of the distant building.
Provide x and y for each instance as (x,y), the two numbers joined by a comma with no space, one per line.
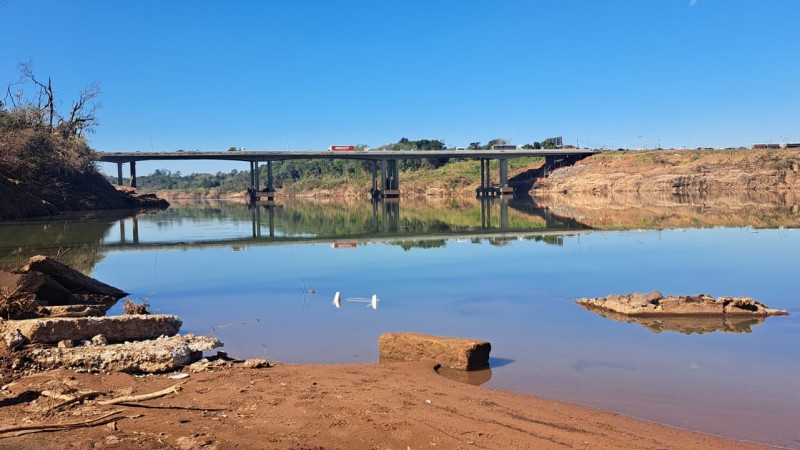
(765,146)
(558,142)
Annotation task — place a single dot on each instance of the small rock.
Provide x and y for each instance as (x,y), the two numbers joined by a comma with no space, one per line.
(256,363)
(99,340)
(14,339)
(66,343)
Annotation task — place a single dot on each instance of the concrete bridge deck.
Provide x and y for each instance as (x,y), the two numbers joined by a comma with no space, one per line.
(384,184)
(278,155)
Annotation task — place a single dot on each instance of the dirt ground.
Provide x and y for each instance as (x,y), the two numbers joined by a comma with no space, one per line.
(382,406)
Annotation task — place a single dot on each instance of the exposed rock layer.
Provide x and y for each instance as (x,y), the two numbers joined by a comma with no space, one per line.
(681,171)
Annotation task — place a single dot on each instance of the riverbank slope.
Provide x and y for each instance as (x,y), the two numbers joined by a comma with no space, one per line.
(44,174)
(678,172)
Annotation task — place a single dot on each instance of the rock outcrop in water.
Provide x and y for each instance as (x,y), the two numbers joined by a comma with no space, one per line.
(656,304)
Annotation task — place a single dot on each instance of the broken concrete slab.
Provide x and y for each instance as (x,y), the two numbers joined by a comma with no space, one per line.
(74,281)
(655,304)
(154,356)
(76,310)
(450,352)
(45,290)
(115,328)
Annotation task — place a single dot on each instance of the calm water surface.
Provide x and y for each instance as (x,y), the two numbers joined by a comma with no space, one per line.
(507,273)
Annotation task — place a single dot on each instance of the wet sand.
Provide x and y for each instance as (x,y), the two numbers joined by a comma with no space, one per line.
(386,406)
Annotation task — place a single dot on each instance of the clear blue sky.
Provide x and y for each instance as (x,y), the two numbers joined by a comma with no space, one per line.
(308,74)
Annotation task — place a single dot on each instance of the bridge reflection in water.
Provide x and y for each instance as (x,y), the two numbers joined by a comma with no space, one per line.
(500,219)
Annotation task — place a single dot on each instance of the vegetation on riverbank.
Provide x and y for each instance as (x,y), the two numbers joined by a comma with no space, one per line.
(46,164)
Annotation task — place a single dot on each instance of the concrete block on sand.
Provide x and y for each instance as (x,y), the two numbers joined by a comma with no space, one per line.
(454,353)
(114,328)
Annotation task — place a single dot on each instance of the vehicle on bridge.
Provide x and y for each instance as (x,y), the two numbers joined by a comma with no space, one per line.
(504,147)
(342,148)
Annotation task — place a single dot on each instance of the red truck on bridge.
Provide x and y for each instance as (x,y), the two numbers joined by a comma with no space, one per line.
(342,148)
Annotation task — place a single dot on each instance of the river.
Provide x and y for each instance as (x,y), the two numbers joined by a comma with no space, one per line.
(263,280)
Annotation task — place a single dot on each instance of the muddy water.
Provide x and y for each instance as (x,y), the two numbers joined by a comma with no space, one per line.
(264,279)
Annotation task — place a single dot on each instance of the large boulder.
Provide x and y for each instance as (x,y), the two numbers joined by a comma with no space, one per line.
(656,304)
(114,328)
(450,352)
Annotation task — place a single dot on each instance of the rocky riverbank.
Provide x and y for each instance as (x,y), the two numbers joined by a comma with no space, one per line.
(85,192)
(43,173)
(678,172)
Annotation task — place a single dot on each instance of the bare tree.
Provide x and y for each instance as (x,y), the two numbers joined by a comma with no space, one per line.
(41,111)
(83,114)
(44,90)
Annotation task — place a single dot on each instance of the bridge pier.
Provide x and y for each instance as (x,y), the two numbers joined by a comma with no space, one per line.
(486,189)
(256,194)
(373,168)
(119,174)
(133,174)
(389,180)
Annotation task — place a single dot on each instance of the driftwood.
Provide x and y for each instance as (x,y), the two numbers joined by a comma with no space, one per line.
(68,399)
(143,397)
(28,429)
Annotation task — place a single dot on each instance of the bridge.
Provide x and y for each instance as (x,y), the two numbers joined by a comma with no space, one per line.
(385,179)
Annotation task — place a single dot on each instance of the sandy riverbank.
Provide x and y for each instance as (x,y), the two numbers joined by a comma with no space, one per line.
(385,406)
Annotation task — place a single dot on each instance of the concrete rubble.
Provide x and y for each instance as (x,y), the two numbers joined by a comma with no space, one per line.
(151,356)
(113,328)
(656,304)
(46,288)
(60,322)
(450,352)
